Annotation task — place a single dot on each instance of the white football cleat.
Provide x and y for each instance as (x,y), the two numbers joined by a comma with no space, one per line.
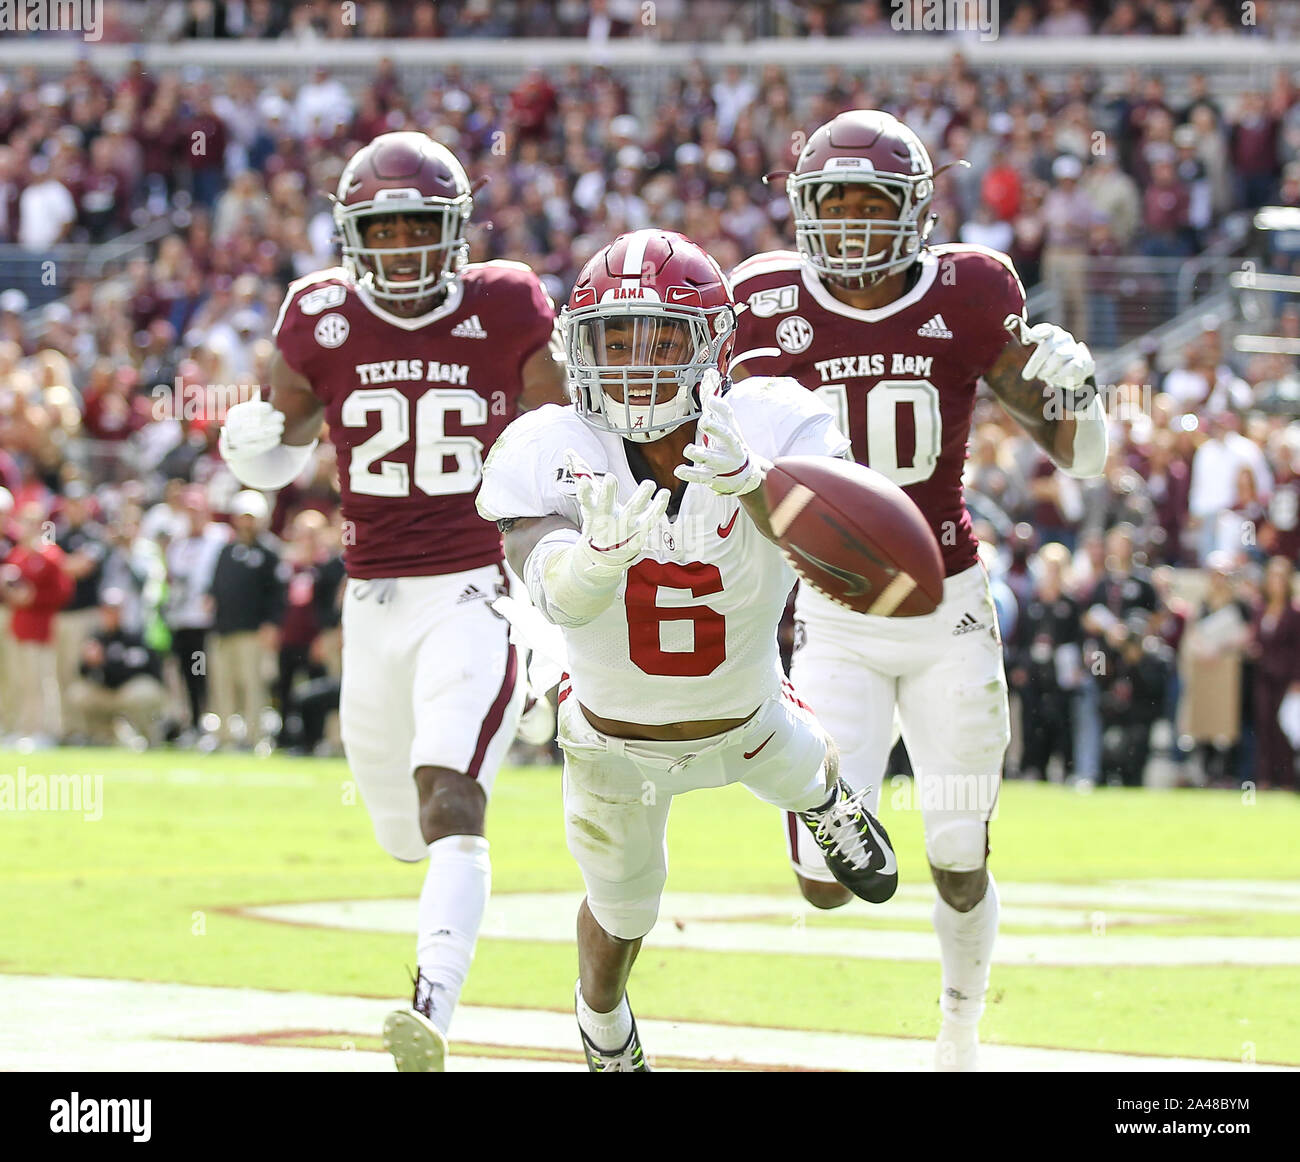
(416,1043)
(957,1048)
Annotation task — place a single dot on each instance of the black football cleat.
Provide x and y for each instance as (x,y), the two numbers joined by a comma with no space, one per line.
(629,1059)
(857,849)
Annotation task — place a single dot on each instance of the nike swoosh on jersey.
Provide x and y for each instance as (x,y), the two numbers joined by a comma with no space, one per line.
(724,531)
(761,745)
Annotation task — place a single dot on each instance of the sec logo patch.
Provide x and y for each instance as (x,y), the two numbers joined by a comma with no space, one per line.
(332,330)
(794,334)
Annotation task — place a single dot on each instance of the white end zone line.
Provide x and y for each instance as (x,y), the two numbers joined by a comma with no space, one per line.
(784,924)
(96,1025)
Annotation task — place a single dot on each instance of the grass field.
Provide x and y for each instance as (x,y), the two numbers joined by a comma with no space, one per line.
(1155,923)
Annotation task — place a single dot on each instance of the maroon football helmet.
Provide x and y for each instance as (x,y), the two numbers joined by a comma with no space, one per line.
(403,173)
(875,149)
(650,310)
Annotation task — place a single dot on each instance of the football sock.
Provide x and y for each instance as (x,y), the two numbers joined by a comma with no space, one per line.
(608,1031)
(966,950)
(825,806)
(455,892)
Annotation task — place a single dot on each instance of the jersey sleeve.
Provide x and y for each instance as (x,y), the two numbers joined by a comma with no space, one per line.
(533,318)
(765,300)
(1001,293)
(289,334)
(543,327)
(779,417)
(295,325)
(524,474)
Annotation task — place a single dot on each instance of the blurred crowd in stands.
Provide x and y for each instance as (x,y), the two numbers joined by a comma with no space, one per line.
(125,533)
(1058,172)
(308,21)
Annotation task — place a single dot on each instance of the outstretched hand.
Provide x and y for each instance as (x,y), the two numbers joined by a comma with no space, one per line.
(615,534)
(719,457)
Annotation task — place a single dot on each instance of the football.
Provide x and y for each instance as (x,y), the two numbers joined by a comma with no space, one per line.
(854,536)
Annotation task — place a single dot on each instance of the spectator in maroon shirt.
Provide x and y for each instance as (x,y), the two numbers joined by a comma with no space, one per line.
(1165,205)
(1152,101)
(1253,150)
(1280,535)
(102,201)
(159,135)
(1275,648)
(112,410)
(387,85)
(138,83)
(371,119)
(532,105)
(143,302)
(1168,479)
(10,188)
(300,625)
(203,148)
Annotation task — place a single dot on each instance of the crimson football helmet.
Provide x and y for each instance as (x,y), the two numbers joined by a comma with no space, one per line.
(875,149)
(650,313)
(403,173)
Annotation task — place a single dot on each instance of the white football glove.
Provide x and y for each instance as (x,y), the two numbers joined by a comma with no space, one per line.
(1059,359)
(251,429)
(614,535)
(721,458)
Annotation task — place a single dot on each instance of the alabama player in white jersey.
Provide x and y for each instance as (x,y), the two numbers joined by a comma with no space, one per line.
(636,518)
(896,335)
(416,361)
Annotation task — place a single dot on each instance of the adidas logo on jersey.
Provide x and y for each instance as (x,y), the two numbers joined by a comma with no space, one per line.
(469,328)
(968,624)
(471,593)
(936,328)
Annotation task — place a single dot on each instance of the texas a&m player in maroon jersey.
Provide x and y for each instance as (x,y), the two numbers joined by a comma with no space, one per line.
(895,335)
(416,361)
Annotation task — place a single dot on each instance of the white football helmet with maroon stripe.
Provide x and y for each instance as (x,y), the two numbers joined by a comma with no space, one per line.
(648,316)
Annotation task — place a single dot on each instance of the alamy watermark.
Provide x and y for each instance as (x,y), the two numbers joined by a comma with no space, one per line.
(1121,402)
(182,400)
(83,16)
(979,16)
(28,791)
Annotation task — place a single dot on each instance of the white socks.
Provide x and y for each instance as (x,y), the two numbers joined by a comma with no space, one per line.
(966,949)
(608,1031)
(455,892)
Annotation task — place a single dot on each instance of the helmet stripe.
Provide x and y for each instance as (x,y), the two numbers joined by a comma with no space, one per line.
(634,255)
